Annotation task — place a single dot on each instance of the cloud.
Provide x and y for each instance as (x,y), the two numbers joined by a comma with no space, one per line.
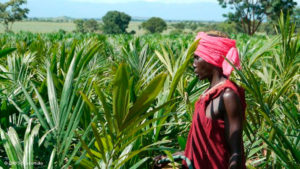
(161,1)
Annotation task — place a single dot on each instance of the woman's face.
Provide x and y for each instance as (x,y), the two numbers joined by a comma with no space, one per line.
(202,69)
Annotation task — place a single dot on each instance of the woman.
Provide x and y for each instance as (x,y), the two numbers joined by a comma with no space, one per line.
(215,136)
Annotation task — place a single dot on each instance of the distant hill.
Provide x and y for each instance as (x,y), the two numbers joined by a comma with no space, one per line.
(70,19)
(51,19)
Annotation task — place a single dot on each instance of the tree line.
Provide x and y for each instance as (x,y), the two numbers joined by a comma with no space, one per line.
(245,17)
(115,22)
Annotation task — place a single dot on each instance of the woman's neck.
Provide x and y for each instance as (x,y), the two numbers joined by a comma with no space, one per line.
(216,78)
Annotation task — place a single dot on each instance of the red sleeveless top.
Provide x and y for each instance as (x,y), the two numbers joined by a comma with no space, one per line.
(206,145)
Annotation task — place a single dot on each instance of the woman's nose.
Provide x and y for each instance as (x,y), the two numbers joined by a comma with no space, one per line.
(194,64)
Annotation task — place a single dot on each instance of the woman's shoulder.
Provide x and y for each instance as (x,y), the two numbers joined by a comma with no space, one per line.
(234,89)
(231,85)
(231,88)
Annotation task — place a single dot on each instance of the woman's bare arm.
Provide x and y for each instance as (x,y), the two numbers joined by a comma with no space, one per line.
(233,127)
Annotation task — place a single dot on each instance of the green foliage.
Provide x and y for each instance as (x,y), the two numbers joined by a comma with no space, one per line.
(91,25)
(193,26)
(271,84)
(115,22)
(176,32)
(179,25)
(129,119)
(11,12)
(119,100)
(79,25)
(268,28)
(86,26)
(21,154)
(62,103)
(274,8)
(155,25)
(250,14)
(125,121)
(228,28)
(296,18)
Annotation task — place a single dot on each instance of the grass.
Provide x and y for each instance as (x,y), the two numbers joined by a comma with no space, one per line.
(50,27)
(41,27)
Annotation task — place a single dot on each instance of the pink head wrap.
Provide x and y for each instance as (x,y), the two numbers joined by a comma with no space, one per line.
(214,49)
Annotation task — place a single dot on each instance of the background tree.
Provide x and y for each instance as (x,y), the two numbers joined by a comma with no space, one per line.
(11,12)
(274,8)
(84,26)
(79,25)
(193,26)
(115,22)
(91,25)
(179,25)
(250,14)
(155,25)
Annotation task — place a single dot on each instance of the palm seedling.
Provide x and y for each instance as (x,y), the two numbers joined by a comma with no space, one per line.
(270,78)
(60,114)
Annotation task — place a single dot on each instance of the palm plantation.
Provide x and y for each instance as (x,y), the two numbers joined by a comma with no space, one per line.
(117,101)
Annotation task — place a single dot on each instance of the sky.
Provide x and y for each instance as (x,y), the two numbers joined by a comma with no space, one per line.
(204,10)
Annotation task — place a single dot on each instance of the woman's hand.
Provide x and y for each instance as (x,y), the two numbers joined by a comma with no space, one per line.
(160,157)
(156,159)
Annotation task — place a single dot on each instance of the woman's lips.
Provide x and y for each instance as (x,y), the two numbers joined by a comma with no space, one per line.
(196,71)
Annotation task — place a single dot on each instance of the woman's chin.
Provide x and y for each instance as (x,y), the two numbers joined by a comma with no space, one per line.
(200,77)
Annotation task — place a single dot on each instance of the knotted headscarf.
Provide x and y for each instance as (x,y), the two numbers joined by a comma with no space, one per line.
(214,49)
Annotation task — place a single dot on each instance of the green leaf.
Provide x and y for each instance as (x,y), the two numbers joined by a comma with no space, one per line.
(39,115)
(99,141)
(182,68)
(66,95)
(121,95)
(10,150)
(6,51)
(51,161)
(139,163)
(89,152)
(44,108)
(182,142)
(146,98)
(88,102)
(52,96)
(84,164)
(62,56)
(107,111)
